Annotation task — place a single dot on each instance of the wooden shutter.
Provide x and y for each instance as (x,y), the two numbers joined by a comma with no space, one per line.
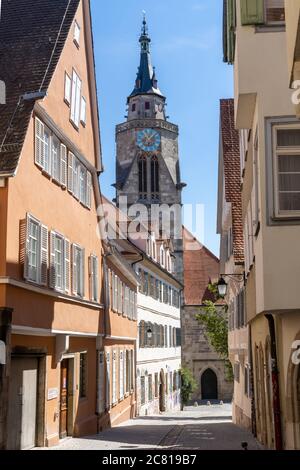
(125,371)
(44,255)
(73,99)
(68,86)
(71,163)
(121,375)
(114,378)
(77,102)
(83,111)
(24,246)
(64,165)
(67,265)
(82,271)
(52,260)
(252,12)
(89,188)
(74,271)
(39,143)
(107,380)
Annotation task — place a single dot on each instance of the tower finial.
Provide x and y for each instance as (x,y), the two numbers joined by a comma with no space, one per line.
(144,27)
(144,39)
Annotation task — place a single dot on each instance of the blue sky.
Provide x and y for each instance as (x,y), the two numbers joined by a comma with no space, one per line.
(187,53)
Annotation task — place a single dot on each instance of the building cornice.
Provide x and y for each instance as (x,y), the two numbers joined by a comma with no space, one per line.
(145,123)
(50,293)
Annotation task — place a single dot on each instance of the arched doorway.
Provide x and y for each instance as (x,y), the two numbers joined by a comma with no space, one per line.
(162,392)
(209,385)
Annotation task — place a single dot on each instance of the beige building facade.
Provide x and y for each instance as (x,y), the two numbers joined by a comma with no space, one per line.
(256,43)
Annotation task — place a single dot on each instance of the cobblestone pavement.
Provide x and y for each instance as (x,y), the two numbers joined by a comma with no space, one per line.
(203,428)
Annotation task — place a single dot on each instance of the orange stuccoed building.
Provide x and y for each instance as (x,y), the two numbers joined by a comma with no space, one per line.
(51,271)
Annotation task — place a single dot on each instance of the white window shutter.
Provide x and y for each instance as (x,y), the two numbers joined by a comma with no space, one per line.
(44,255)
(71,162)
(39,143)
(64,165)
(78,102)
(68,87)
(96,278)
(107,380)
(89,188)
(73,98)
(82,272)
(52,280)
(125,371)
(25,250)
(114,378)
(121,375)
(83,111)
(67,265)
(91,277)
(74,271)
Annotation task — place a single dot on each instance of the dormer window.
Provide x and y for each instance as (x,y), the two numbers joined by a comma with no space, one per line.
(77,34)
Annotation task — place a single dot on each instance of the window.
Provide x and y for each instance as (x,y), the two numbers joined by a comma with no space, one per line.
(128,372)
(178,337)
(120,296)
(133,107)
(142,168)
(258,12)
(79,180)
(107,380)
(47,151)
(114,378)
(156,385)
(147,105)
(150,389)
(143,391)
(287,170)
(170,337)
(237,372)
(68,88)
(244,147)
(166,336)
(121,375)
(35,251)
(274,11)
(125,373)
(154,178)
(76,98)
(83,376)
(76,33)
(78,270)
(83,111)
(94,278)
(55,157)
(132,368)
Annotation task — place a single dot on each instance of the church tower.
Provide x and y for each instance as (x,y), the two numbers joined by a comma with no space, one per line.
(147,167)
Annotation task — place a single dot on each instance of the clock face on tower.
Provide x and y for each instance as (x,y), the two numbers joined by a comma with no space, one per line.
(148,140)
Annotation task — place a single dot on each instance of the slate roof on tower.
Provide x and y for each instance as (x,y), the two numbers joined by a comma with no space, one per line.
(32,37)
(146,82)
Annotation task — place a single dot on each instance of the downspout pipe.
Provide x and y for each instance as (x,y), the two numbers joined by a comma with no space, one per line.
(253,413)
(275,384)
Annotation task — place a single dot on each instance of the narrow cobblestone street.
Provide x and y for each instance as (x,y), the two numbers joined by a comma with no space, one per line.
(202,428)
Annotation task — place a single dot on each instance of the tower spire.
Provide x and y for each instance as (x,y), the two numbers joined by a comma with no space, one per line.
(145,81)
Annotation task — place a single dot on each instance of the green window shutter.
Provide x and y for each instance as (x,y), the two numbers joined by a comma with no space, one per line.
(231,26)
(252,12)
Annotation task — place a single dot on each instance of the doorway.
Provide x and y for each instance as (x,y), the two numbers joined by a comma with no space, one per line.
(209,385)
(162,392)
(64,399)
(22,406)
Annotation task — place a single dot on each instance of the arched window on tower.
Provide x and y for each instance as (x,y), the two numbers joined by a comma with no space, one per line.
(154,177)
(142,163)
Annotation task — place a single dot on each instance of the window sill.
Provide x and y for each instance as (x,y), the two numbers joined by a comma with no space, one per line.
(270,28)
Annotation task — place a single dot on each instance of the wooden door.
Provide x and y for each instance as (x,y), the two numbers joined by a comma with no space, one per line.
(22,408)
(64,373)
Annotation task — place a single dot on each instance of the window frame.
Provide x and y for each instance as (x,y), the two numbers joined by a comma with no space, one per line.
(76,37)
(277,152)
(272,23)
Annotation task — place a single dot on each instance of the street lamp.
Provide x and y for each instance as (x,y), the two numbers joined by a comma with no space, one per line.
(222,287)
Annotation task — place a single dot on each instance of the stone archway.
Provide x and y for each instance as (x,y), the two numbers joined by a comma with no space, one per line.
(209,385)
(162,392)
